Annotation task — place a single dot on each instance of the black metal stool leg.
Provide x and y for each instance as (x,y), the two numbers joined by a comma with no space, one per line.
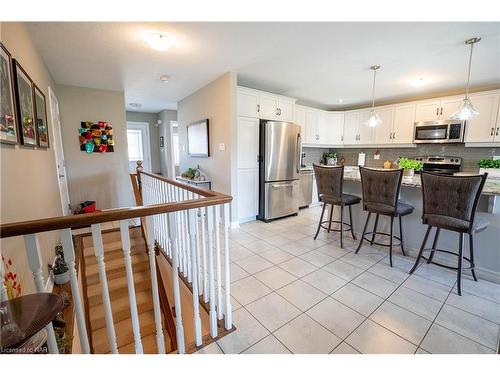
(471,248)
(331,216)
(320,220)
(459,268)
(390,240)
(350,221)
(341,226)
(401,235)
(374,229)
(422,247)
(364,231)
(434,245)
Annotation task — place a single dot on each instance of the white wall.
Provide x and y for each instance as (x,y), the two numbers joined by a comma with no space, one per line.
(102,177)
(28,186)
(217,102)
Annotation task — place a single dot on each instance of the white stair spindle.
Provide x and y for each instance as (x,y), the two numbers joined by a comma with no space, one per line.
(194,266)
(134,315)
(108,314)
(175,283)
(69,257)
(160,340)
(35,264)
(228,323)
(203,220)
(213,315)
(199,273)
(218,263)
(188,243)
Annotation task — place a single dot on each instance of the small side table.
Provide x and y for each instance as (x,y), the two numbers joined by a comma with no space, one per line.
(202,184)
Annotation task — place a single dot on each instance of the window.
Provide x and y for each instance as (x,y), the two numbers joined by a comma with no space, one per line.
(134,140)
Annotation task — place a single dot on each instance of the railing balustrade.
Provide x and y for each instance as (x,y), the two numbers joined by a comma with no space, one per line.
(182,223)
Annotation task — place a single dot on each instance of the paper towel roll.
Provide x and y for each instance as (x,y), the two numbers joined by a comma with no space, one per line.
(361,159)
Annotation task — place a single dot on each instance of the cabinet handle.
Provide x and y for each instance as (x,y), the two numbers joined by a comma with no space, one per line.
(437,111)
(492,131)
(258,108)
(441,110)
(279,109)
(497,131)
(276,112)
(394,135)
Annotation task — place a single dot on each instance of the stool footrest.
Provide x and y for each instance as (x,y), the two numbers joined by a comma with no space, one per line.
(324,225)
(471,267)
(382,234)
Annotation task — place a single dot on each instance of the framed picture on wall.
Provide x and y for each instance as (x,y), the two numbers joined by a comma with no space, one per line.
(42,133)
(23,93)
(8,129)
(198,139)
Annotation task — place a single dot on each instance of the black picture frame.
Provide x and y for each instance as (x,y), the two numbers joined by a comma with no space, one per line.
(25,108)
(198,139)
(9,132)
(41,120)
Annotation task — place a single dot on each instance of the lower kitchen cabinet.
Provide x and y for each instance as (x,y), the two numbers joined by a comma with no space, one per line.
(248,194)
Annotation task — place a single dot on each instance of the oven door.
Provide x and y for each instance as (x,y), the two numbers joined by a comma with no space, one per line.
(431,133)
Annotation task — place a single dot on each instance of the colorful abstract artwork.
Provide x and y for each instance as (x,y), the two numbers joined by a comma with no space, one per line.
(96,137)
(12,284)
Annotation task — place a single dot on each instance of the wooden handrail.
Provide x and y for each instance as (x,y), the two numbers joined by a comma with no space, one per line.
(182,185)
(62,222)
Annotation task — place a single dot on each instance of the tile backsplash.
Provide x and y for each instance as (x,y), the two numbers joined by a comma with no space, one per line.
(313,155)
(470,155)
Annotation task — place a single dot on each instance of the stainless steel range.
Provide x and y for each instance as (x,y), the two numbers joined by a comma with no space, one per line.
(441,164)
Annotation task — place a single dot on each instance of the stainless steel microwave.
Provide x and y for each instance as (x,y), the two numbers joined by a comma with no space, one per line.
(439,132)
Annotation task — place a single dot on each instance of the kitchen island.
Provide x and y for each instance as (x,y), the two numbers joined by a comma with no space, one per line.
(487,247)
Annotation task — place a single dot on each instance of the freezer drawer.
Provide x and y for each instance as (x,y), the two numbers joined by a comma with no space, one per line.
(281,199)
(306,186)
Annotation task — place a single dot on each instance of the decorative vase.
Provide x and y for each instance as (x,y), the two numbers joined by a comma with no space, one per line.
(331,161)
(61,278)
(409,173)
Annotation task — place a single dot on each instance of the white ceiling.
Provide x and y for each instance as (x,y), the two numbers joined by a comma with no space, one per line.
(318,63)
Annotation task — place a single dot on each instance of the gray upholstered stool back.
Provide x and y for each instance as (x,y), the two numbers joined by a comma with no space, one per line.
(380,188)
(453,196)
(329,181)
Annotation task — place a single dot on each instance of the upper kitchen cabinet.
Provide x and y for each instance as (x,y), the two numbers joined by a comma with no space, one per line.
(247,103)
(404,124)
(428,111)
(330,128)
(485,127)
(312,133)
(355,130)
(385,131)
(300,119)
(275,107)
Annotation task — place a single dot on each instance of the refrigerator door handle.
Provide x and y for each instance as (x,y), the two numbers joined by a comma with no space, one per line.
(299,151)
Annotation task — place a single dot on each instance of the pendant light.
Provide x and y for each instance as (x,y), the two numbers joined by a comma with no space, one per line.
(373,118)
(466,110)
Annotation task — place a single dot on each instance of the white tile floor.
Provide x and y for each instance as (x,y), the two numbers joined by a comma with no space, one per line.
(292,294)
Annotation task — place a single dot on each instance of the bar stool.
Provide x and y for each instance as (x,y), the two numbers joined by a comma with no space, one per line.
(450,203)
(329,181)
(380,197)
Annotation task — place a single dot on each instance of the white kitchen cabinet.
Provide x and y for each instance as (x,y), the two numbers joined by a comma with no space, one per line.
(384,132)
(247,103)
(285,109)
(366,135)
(351,123)
(404,124)
(330,128)
(268,107)
(448,108)
(428,111)
(312,118)
(248,194)
(484,127)
(248,142)
(300,119)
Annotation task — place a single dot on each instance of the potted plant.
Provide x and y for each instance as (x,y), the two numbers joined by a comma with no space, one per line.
(409,166)
(492,167)
(330,158)
(59,268)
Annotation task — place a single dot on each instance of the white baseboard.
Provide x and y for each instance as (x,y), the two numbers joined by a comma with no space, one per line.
(235,225)
(49,285)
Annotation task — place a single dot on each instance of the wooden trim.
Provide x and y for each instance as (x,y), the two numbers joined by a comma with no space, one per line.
(135,188)
(182,185)
(167,311)
(63,222)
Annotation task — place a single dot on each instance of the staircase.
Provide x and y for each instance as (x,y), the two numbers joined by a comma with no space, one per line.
(118,292)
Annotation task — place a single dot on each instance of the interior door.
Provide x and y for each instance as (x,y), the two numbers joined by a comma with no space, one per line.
(138,145)
(59,153)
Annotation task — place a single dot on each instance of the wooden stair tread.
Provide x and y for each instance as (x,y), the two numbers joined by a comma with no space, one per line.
(148,345)
(121,308)
(116,269)
(112,264)
(114,251)
(118,287)
(114,235)
(124,332)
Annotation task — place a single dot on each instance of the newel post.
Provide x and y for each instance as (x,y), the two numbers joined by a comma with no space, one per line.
(139,169)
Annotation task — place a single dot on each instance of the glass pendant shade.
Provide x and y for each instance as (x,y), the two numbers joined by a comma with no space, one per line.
(466,111)
(374,119)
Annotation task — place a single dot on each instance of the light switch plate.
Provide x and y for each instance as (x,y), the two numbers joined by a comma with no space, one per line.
(222,147)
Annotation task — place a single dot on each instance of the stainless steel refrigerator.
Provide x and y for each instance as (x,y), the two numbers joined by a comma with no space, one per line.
(279,167)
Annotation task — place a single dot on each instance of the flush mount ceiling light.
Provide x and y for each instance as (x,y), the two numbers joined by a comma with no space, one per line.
(158,40)
(373,118)
(164,78)
(135,105)
(466,110)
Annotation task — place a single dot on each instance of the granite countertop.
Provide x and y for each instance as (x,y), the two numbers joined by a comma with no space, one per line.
(491,187)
